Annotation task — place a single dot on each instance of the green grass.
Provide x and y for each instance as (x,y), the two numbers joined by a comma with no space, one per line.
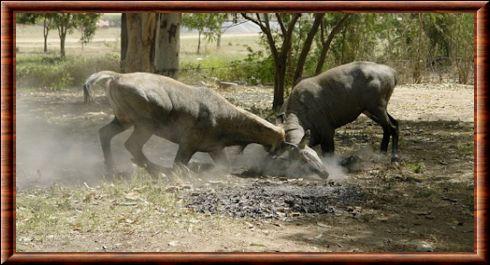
(234,46)
(417,167)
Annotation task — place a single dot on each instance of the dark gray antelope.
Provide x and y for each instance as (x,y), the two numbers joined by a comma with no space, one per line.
(337,97)
(197,119)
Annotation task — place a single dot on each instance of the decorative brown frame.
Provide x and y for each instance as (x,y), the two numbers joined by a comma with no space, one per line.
(8,9)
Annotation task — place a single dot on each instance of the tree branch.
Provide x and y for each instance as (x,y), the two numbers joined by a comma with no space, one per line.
(245,16)
(270,38)
(286,45)
(322,28)
(328,41)
(306,47)
(293,22)
(281,24)
(336,28)
(225,28)
(258,18)
(265,27)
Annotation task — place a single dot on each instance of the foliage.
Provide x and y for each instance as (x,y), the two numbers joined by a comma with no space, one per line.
(254,69)
(27,18)
(417,45)
(114,19)
(460,45)
(87,24)
(65,23)
(289,43)
(209,24)
(34,18)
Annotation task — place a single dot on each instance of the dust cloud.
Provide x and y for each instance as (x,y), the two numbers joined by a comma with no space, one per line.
(336,172)
(48,154)
(255,161)
(59,144)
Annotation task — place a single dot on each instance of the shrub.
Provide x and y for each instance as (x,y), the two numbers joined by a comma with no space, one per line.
(53,73)
(254,69)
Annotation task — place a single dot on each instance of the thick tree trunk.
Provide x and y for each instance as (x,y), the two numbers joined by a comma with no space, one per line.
(280,58)
(139,55)
(279,84)
(167,46)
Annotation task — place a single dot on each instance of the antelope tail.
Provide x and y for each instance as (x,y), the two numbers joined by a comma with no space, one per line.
(93,79)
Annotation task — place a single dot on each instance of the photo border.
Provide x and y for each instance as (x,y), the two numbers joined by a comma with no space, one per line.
(8,191)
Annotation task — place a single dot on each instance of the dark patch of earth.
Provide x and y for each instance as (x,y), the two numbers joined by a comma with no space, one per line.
(276,199)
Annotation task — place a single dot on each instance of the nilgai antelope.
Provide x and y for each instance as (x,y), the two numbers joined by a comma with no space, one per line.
(197,119)
(337,97)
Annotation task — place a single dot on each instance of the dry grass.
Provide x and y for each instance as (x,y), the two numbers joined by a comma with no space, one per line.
(105,214)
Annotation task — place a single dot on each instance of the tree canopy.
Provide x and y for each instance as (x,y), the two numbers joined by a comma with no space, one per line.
(209,25)
(65,23)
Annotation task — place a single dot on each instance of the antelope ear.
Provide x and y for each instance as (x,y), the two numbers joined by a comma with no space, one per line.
(281,118)
(285,146)
(289,146)
(241,148)
(305,140)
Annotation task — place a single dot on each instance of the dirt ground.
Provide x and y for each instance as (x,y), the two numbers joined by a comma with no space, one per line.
(423,203)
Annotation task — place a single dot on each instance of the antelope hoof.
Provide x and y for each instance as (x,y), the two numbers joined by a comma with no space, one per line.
(138,163)
(395,159)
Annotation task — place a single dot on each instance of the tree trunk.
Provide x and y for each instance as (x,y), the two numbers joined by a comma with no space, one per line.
(343,48)
(45,34)
(279,84)
(280,58)
(218,41)
(321,60)
(417,69)
(139,55)
(62,34)
(62,46)
(167,46)
(124,39)
(199,43)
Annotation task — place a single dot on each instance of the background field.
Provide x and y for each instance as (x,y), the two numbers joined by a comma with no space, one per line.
(29,41)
